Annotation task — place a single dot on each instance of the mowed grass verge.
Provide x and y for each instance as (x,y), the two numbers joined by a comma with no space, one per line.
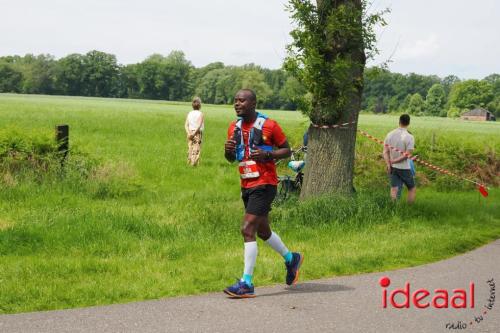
(152,227)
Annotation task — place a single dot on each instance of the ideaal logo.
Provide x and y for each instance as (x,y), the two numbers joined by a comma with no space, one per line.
(439,299)
(423,298)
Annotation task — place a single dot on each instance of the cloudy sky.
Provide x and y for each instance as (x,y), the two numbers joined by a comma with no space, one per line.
(426,36)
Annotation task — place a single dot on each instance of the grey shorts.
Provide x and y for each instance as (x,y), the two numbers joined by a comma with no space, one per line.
(402,176)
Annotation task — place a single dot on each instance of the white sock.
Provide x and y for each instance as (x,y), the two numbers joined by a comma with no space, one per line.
(250,257)
(277,244)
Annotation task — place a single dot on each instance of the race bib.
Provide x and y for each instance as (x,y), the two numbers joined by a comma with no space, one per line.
(248,169)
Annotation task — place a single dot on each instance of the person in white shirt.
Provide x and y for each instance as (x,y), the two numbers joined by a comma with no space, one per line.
(397,164)
(194,127)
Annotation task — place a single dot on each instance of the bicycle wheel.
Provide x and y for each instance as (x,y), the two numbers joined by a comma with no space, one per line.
(298,182)
(283,189)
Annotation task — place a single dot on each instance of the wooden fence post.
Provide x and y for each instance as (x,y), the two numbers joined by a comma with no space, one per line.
(62,138)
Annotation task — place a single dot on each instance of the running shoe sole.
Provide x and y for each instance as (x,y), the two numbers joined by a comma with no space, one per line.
(298,270)
(239,296)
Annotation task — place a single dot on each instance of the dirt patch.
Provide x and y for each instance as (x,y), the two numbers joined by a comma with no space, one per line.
(108,171)
(4,224)
(8,180)
(489,173)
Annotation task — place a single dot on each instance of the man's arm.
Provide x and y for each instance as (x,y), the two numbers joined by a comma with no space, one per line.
(410,146)
(186,126)
(198,130)
(283,151)
(279,139)
(387,158)
(403,157)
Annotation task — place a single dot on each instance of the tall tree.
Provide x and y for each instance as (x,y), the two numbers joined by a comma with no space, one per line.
(292,93)
(10,78)
(469,94)
(435,100)
(176,73)
(417,105)
(38,73)
(253,79)
(101,74)
(494,105)
(70,75)
(150,79)
(448,82)
(328,57)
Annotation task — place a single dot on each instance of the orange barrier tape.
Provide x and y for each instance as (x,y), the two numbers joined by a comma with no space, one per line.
(482,188)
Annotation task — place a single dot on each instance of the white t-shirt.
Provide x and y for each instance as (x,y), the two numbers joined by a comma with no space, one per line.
(401,139)
(194,119)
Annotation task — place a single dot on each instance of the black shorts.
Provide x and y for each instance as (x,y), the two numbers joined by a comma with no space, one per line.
(402,176)
(258,200)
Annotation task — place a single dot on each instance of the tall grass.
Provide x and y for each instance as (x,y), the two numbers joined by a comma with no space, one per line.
(137,223)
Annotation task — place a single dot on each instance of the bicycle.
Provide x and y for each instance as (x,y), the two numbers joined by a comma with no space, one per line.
(291,184)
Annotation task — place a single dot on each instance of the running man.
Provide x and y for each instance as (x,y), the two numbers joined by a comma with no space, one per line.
(398,165)
(251,140)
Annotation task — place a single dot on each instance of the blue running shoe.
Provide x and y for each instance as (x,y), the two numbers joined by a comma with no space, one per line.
(240,290)
(292,268)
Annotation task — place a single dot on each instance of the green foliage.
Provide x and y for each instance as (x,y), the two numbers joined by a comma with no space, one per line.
(38,73)
(393,89)
(494,106)
(471,94)
(173,77)
(328,49)
(435,101)
(70,75)
(416,106)
(10,78)
(406,103)
(449,81)
(161,77)
(218,86)
(293,93)
(33,158)
(100,74)
(454,112)
(24,152)
(494,79)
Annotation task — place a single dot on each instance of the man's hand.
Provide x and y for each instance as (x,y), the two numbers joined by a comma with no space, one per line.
(230,150)
(260,155)
(230,147)
(388,168)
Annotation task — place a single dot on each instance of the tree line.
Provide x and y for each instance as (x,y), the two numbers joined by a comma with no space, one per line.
(174,78)
(430,95)
(170,77)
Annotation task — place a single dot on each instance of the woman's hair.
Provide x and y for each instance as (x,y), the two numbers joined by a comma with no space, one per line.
(196,103)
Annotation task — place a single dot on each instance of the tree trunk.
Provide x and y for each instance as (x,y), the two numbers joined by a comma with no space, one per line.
(330,159)
(330,156)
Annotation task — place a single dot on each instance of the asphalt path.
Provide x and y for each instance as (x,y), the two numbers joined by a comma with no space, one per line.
(340,304)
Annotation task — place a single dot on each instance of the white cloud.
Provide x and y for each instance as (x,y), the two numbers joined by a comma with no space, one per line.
(426,36)
(422,48)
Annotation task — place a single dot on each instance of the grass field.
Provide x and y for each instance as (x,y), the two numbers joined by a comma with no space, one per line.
(145,225)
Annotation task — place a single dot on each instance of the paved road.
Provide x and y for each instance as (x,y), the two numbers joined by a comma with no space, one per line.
(344,304)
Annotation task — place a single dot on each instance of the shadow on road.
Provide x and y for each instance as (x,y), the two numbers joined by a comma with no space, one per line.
(309,287)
